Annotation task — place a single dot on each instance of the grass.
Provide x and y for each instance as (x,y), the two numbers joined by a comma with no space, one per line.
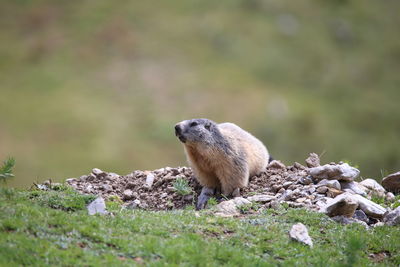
(40,228)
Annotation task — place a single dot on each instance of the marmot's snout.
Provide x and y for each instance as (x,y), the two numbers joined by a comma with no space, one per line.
(178,133)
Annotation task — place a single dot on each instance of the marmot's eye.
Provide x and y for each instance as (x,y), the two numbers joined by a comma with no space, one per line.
(193,124)
(207,126)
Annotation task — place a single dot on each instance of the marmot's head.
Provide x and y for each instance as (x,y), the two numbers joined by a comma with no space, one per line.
(196,131)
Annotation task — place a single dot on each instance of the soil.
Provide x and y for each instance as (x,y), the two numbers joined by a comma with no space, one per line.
(162,195)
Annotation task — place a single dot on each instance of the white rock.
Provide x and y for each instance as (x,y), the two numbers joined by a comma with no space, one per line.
(330,183)
(390,196)
(276,164)
(97,206)
(239,201)
(373,185)
(393,217)
(341,205)
(342,172)
(230,207)
(149,180)
(97,171)
(370,208)
(300,233)
(227,208)
(127,194)
(261,198)
(355,187)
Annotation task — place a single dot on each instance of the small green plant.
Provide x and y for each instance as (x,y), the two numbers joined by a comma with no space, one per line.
(182,186)
(6,169)
(212,201)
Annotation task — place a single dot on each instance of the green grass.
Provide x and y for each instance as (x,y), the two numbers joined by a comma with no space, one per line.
(37,229)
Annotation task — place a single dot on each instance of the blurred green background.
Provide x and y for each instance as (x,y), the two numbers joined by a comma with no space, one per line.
(88,84)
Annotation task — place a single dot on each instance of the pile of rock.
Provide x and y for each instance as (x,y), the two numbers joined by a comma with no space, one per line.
(330,188)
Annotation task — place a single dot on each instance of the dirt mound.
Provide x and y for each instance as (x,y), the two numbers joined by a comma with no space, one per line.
(160,190)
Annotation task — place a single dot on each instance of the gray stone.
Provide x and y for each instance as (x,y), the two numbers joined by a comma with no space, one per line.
(330,183)
(392,182)
(261,198)
(97,172)
(70,180)
(230,207)
(322,189)
(370,208)
(361,216)
(342,172)
(305,180)
(134,204)
(127,194)
(276,164)
(299,233)
(344,205)
(355,187)
(149,180)
(390,196)
(393,217)
(373,185)
(97,206)
(313,160)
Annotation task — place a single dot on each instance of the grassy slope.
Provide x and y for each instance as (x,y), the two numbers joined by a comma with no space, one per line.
(96,84)
(52,228)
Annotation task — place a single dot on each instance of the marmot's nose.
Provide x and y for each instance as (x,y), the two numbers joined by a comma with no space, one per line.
(178,130)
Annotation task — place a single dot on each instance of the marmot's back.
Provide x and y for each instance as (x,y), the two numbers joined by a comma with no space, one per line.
(256,153)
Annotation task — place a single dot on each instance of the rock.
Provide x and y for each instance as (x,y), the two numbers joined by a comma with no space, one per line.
(299,233)
(370,208)
(227,209)
(134,204)
(70,180)
(149,180)
(276,164)
(107,187)
(355,187)
(332,192)
(346,220)
(305,180)
(322,189)
(361,216)
(342,172)
(97,206)
(286,184)
(373,185)
(299,166)
(261,198)
(127,194)
(392,182)
(98,173)
(342,205)
(313,160)
(390,197)
(330,183)
(274,204)
(239,201)
(393,217)
(287,195)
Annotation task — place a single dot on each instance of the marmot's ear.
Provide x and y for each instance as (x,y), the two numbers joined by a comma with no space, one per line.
(207,125)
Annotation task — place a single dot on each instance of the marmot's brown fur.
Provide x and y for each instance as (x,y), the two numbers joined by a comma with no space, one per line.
(222,156)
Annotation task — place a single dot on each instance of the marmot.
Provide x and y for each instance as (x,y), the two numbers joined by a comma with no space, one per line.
(223,156)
